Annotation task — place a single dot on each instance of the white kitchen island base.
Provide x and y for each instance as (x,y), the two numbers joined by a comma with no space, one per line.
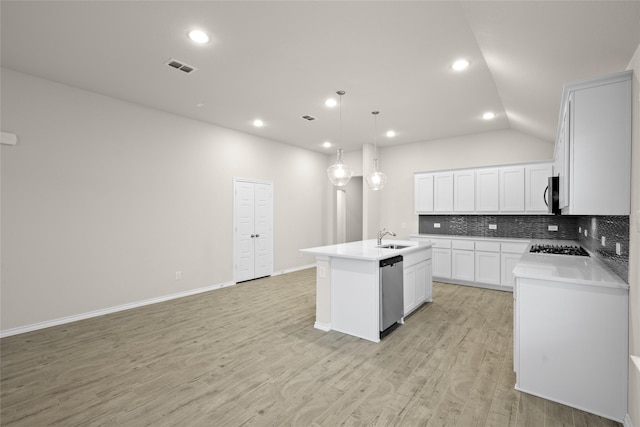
(348,284)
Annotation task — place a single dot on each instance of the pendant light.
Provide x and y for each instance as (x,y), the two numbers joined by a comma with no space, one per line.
(376,179)
(339,173)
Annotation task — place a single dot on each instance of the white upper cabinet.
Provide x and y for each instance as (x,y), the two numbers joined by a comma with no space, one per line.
(423,186)
(536,192)
(464,188)
(487,190)
(596,153)
(518,189)
(512,189)
(443,192)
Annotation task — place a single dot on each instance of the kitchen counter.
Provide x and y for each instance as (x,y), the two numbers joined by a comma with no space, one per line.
(367,249)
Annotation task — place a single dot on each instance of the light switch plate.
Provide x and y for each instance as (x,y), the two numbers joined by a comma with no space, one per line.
(618,249)
(603,241)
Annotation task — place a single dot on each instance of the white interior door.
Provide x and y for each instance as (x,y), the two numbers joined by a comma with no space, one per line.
(253,230)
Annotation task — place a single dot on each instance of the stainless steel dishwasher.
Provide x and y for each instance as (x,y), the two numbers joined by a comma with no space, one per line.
(391,293)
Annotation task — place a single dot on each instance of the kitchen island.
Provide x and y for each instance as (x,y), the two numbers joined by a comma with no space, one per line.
(348,283)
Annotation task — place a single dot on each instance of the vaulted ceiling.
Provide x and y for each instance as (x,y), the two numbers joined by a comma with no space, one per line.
(279,61)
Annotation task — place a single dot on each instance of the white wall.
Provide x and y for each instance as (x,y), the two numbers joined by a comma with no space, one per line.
(103,201)
(485,149)
(634,245)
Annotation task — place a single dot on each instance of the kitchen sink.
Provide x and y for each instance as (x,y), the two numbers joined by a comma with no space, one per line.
(392,246)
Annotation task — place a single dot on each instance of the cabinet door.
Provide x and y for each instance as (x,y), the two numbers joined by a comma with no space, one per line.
(442,263)
(464,188)
(512,189)
(423,193)
(488,267)
(508,263)
(563,158)
(421,281)
(600,179)
(462,265)
(409,289)
(487,194)
(443,192)
(536,182)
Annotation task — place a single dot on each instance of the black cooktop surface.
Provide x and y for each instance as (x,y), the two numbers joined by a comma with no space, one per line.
(559,250)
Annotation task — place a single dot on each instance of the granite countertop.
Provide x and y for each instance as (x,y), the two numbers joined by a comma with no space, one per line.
(367,249)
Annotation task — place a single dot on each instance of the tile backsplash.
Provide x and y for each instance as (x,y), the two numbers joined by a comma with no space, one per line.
(614,228)
(515,226)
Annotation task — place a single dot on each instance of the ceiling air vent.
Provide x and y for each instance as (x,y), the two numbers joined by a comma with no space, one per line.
(310,118)
(179,65)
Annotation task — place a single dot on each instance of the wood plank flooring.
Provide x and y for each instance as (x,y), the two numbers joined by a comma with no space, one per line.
(249,355)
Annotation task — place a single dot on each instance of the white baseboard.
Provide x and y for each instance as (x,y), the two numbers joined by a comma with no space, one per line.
(291,270)
(322,326)
(109,310)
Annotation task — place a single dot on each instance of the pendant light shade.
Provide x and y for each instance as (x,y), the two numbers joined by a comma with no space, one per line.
(339,173)
(376,179)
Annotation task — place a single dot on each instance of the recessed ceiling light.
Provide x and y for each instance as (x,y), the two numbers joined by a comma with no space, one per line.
(488,115)
(199,36)
(391,133)
(331,102)
(326,144)
(258,123)
(460,64)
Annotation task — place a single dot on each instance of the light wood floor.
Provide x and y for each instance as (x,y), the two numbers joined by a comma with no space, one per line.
(249,355)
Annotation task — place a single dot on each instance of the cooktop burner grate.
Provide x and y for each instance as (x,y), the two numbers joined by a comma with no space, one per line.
(559,250)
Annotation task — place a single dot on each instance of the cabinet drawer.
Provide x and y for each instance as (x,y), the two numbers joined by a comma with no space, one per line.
(441,243)
(416,257)
(514,248)
(467,245)
(488,246)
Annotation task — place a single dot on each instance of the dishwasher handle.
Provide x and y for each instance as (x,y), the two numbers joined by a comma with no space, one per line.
(390,261)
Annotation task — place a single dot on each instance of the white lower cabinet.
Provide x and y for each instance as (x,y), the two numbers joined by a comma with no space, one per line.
(508,263)
(417,280)
(488,267)
(484,262)
(462,260)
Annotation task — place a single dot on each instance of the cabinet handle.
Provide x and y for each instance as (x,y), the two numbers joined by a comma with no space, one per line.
(257,235)
(253,235)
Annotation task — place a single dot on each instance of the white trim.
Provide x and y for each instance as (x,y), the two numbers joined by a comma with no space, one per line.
(627,421)
(322,326)
(291,270)
(109,310)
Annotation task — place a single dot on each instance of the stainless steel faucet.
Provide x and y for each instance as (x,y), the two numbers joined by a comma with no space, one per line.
(383,233)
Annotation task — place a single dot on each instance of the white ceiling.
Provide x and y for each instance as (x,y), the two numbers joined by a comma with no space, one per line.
(281,60)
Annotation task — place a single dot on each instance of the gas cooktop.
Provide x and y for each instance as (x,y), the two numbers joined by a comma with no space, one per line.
(559,250)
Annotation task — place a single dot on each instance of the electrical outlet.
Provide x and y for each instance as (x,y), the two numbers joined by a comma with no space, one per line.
(603,241)
(618,249)
(552,228)
(178,275)
(585,233)
(493,226)
(579,229)
(436,225)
